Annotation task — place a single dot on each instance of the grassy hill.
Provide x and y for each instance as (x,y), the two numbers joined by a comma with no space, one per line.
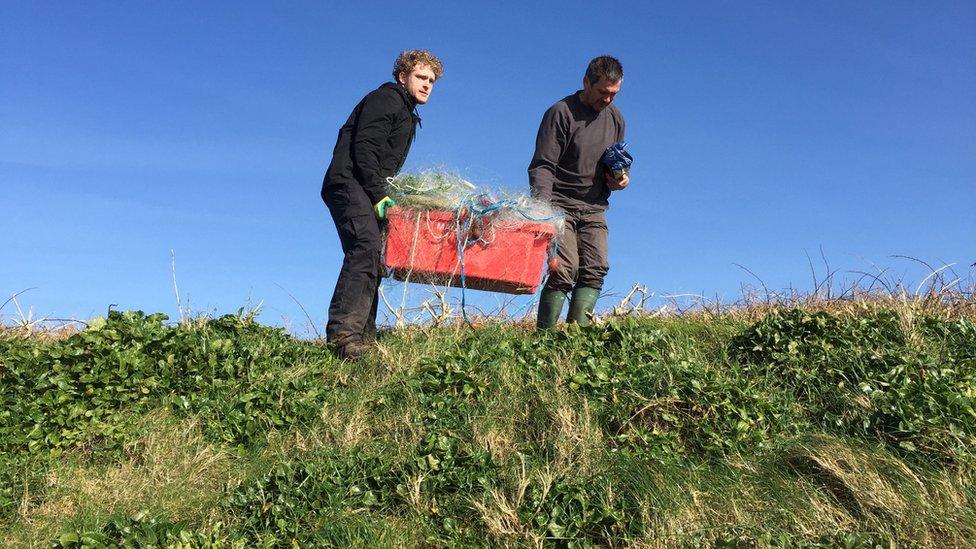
(851,424)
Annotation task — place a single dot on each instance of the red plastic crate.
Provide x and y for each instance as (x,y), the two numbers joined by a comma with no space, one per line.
(423,245)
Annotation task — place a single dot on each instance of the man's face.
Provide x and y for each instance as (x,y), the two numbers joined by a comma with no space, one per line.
(600,94)
(419,82)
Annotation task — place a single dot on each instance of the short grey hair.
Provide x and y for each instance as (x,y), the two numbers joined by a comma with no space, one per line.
(604,67)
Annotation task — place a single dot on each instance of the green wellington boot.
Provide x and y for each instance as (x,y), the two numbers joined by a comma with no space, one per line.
(582,304)
(550,307)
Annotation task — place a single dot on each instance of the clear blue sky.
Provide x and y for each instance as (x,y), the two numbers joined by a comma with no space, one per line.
(762,132)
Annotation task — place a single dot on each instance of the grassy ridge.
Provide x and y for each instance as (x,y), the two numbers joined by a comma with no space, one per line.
(800,428)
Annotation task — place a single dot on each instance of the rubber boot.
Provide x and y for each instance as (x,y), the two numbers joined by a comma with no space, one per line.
(550,307)
(582,304)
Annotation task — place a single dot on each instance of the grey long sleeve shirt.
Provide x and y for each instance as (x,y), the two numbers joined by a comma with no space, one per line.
(566,168)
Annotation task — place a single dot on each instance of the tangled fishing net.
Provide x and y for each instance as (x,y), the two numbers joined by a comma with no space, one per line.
(446,231)
(433,190)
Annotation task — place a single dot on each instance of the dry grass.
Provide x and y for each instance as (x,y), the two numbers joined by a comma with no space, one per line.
(819,487)
(936,296)
(941,293)
(42,333)
(882,492)
(499,509)
(578,440)
(362,413)
(170,470)
(348,425)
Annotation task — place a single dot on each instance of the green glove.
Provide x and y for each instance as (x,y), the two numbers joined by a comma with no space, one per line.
(381,206)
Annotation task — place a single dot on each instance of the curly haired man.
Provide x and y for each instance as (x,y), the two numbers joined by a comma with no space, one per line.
(372,145)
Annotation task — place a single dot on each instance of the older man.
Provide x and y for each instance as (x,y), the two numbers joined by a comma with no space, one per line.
(372,146)
(567,171)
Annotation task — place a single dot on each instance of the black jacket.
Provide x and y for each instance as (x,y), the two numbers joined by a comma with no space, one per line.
(374,141)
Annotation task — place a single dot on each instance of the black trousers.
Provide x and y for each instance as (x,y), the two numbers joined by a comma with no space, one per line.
(352,312)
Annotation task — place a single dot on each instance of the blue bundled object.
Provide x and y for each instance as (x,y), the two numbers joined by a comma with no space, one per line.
(616,158)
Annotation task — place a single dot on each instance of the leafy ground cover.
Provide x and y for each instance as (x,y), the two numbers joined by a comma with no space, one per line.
(799,427)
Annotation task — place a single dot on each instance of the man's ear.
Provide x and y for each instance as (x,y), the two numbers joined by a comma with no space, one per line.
(586,82)
(402,77)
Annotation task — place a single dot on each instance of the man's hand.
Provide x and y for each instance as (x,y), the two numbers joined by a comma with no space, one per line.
(618,184)
(381,206)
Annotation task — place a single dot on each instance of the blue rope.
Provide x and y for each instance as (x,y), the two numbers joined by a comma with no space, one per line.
(471,208)
(462,243)
(478,206)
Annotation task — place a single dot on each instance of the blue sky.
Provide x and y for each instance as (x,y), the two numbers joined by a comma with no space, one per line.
(763,132)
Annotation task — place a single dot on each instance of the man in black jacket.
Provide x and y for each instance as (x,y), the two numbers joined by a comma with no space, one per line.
(372,146)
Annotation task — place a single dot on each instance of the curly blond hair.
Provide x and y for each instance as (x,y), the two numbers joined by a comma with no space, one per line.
(409,59)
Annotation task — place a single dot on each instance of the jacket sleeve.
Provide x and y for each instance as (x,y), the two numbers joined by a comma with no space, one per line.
(373,128)
(549,145)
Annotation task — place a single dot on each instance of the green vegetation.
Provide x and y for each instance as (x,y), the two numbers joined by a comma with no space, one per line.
(798,428)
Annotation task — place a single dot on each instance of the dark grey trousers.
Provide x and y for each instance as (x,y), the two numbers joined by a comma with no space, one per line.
(352,312)
(582,252)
